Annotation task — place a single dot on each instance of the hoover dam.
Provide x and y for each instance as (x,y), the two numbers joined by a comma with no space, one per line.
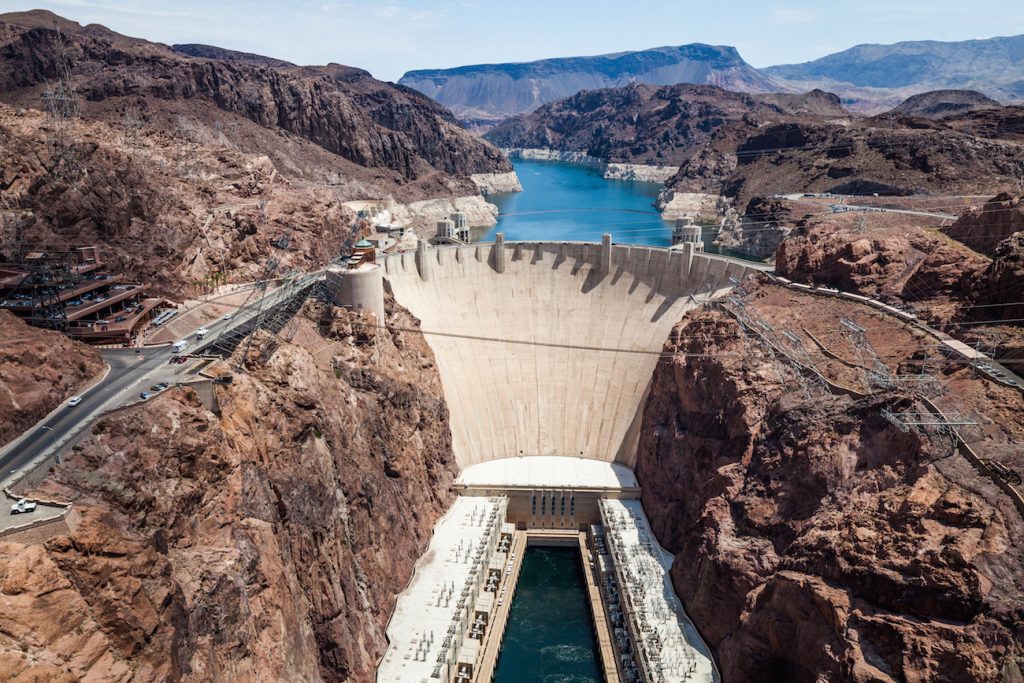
(545,351)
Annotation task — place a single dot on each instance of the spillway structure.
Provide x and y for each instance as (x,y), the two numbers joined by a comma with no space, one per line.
(546,352)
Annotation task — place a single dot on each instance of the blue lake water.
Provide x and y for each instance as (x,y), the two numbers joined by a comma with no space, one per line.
(573,202)
(550,635)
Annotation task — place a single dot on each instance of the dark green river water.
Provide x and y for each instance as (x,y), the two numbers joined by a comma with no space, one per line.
(550,636)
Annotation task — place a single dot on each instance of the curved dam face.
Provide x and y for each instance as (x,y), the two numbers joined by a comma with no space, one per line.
(549,348)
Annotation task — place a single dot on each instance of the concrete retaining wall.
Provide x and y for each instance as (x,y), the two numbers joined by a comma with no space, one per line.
(554,352)
(39,531)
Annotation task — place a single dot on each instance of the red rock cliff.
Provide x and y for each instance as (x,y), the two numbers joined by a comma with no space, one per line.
(266,543)
(814,540)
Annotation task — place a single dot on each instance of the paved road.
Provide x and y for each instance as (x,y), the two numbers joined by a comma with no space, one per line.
(131,372)
(851,208)
(127,367)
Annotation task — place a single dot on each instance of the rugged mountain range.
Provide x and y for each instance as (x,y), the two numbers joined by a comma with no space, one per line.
(264,541)
(214,52)
(339,108)
(491,92)
(645,124)
(184,167)
(732,147)
(869,76)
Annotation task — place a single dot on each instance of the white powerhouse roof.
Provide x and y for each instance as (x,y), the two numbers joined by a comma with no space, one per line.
(427,605)
(548,471)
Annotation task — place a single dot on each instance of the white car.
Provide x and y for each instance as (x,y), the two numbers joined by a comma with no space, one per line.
(74,400)
(228,316)
(23,506)
(202,332)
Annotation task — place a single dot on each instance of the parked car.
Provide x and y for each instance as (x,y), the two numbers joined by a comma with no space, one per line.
(145,395)
(155,388)
(74,401)
(228,316)
(120,319)
(23,506)
(162,385)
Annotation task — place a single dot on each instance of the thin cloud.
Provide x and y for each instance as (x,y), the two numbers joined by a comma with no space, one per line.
(795,15)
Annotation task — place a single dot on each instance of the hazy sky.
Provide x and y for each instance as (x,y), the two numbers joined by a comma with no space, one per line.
(390,37)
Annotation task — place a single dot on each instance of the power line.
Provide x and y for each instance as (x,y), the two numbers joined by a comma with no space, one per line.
(597,349)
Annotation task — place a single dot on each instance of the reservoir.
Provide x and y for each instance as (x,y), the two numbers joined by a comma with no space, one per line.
(550,635)
(574,203)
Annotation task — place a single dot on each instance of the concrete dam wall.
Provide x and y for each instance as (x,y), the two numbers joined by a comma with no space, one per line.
(549,348)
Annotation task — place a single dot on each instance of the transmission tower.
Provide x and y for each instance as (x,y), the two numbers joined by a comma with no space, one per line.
(876,373)
(61,104)
(132,122)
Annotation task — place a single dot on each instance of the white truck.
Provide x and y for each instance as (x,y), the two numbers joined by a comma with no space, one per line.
(23,506)
(202,332)
(179,346)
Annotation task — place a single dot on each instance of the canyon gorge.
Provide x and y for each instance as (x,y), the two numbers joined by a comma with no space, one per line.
(263,519)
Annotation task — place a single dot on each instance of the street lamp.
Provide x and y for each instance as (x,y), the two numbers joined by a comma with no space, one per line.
(54,437)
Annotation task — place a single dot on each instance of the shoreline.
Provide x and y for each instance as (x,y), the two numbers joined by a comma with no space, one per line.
(647,173)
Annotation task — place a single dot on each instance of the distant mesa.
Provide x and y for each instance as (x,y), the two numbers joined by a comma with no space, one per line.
(496,91)
(939,104)
(872,78)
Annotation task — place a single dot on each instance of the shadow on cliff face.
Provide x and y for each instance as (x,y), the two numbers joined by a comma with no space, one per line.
(814,539)
(269,543)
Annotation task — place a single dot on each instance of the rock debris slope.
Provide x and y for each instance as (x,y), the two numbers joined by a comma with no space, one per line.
(187,169)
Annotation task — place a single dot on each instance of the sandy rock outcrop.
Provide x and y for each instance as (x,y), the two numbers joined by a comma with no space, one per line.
(422,216)
(493,183)
(901,265)
(999,291)
(648,173)
(814,540)
(760,230)
(265,543)
(547,154)
(983,228)
(38,370)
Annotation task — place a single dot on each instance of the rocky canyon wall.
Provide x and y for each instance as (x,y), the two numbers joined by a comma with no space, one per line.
(814,540)
(264,543)
(38,370)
